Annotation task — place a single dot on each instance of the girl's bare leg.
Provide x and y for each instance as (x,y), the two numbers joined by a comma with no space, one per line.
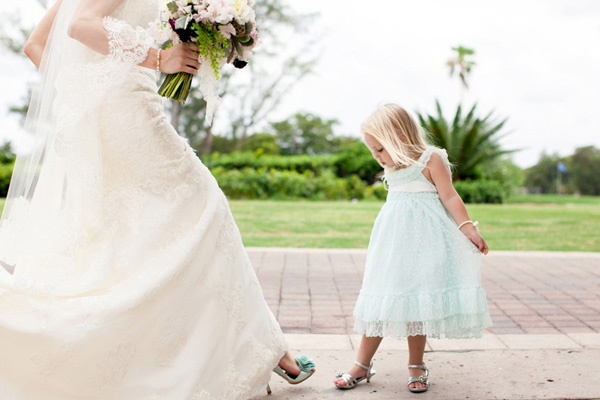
(366,351)
(416,348)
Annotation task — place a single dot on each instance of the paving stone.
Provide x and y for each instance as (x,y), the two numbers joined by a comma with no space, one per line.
(528,292)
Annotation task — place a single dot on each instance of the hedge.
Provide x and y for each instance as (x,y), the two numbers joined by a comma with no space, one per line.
(481,191)
(299,163)
(5,174)
(250,183)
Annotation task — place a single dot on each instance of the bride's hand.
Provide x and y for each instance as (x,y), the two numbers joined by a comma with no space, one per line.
(180,58)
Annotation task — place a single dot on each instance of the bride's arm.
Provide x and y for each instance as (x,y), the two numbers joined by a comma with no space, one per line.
(90,27)
(34,48)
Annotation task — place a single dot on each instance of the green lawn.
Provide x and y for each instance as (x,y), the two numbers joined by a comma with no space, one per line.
(555,223)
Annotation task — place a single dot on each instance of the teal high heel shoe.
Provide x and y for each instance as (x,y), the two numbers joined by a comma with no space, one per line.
(307,368)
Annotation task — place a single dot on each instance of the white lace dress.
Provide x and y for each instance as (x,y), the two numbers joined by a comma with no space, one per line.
(151,296)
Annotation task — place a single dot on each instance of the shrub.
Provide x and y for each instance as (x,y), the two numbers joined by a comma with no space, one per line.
(379,191)
(300,163)
(505,172)
(356,159)
(481,191)
(5,174)
(265,142)
(250,183)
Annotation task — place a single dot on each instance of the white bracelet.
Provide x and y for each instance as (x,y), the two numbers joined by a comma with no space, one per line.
(470,222)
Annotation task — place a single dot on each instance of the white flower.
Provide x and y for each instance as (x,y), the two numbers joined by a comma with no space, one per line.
(243,11)
(160,31)
(221,11)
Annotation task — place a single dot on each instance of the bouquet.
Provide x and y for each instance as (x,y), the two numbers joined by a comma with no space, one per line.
(223,31)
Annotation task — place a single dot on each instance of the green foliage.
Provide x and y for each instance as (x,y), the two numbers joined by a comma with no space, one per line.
(481,191)
(7,161)
(305,133)
(7,156)
(461,63)
(220,145)
(584,170)
(356,159)
(263,142)
(379,191)
(299,163)
(211,45)
(5,174)
(505,172)
(542,176)
(471,141)
(250,183)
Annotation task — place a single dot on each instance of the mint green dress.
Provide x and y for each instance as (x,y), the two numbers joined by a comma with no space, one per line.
(422,275)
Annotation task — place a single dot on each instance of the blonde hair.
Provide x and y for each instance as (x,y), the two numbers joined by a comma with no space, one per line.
(396,130)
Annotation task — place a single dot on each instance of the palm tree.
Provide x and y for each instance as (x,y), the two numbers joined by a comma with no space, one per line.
(470,141)
(461,63)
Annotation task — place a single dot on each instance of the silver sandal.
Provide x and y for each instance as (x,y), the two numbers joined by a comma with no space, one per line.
(351,381)
(423,379)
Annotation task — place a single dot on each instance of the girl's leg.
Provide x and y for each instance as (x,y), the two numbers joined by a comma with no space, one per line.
(366,351)
(416,348)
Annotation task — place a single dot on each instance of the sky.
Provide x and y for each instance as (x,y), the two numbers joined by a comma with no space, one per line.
(537,64)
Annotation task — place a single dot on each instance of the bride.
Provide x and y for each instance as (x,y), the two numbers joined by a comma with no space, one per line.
(124,272)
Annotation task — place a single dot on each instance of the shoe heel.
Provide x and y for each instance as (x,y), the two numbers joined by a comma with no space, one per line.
(269,389)
(370,375)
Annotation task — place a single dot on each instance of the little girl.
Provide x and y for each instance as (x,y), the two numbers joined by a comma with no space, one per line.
(423,269)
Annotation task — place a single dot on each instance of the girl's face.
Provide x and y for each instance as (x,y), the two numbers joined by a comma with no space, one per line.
(379,152)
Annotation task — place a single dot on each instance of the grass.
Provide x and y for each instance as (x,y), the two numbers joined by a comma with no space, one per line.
(549,223)
(554,199)
(529,222)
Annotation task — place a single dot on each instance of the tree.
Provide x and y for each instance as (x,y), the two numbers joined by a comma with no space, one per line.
(470,141)
(305,133)
(7,155)
(542,176)
(461,64)
(251,95)
(584,170)
(263,142)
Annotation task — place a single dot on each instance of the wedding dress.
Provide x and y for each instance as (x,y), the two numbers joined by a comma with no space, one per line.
(130,278)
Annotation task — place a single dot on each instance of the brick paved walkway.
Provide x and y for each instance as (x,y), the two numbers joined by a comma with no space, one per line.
(314,290)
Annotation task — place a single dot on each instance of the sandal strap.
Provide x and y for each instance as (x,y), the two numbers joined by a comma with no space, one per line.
(422,379)
(419,366)
(363,366)
(349,379)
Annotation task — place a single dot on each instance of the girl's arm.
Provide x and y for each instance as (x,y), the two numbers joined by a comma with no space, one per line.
(442,179)
(34,48)
(87,27)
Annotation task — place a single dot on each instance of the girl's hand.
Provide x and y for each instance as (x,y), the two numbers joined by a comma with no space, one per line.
(473,235)
(180,58)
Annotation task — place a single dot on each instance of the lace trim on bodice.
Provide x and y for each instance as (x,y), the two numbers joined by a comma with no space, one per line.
(125,43)
(411,179)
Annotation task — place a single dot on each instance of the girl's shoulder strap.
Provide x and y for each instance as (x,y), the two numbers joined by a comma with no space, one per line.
(425,157)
